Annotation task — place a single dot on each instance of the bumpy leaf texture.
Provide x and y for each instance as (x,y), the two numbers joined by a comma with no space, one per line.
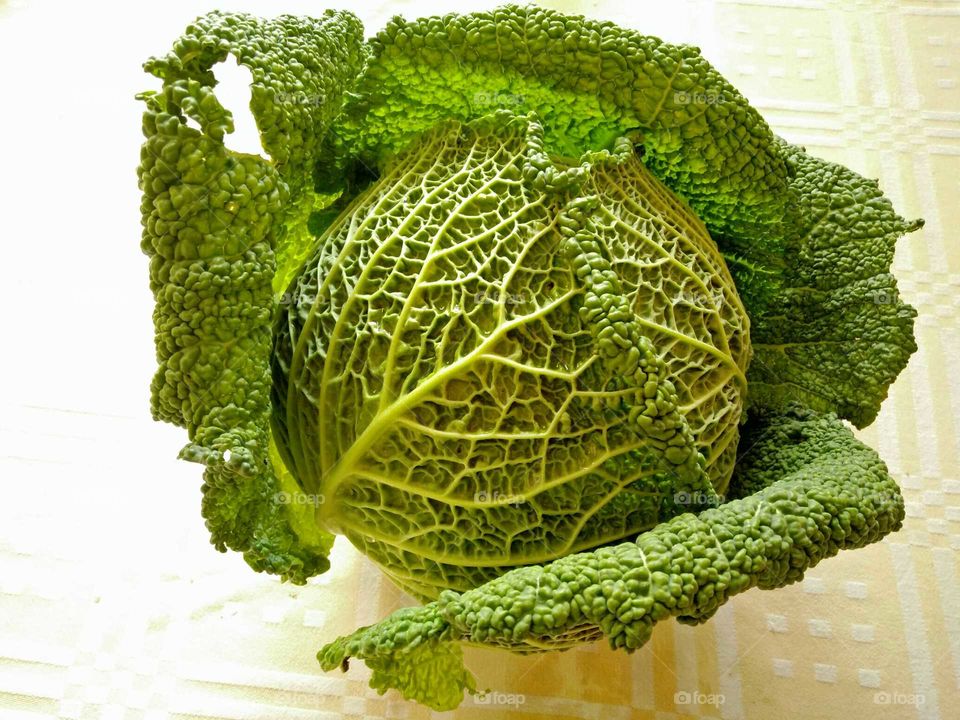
(510,356)
(492,361)
(809,243)
(213,222)
(590,83)
(830,329)
(813,490)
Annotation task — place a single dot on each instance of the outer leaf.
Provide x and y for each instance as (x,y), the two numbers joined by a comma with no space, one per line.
(213,220)
(590,83)
(815,490)
(828,326)
(433,672)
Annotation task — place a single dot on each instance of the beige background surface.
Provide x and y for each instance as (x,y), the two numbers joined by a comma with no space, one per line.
(112,603)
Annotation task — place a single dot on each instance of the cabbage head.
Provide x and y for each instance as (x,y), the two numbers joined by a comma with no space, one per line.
(492,360)
(536,311)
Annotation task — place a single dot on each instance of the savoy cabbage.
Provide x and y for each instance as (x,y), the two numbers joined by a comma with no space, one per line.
(563,351)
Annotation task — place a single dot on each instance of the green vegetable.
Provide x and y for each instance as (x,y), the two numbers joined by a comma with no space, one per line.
(813,490)
(536,311)
(835,333)
(589,84)
(215,223)
(470,375)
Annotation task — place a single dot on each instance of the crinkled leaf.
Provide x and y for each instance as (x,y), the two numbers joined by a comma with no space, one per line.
(828,326)
(493,360)
(590,83)
(811,489)
(426,666)
(213,223)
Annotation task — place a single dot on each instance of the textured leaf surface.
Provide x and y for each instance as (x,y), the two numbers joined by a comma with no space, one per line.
(212,221)
(813,490)
(495,361)
(829,328)
(810,242)
(590,83)
(516,347)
